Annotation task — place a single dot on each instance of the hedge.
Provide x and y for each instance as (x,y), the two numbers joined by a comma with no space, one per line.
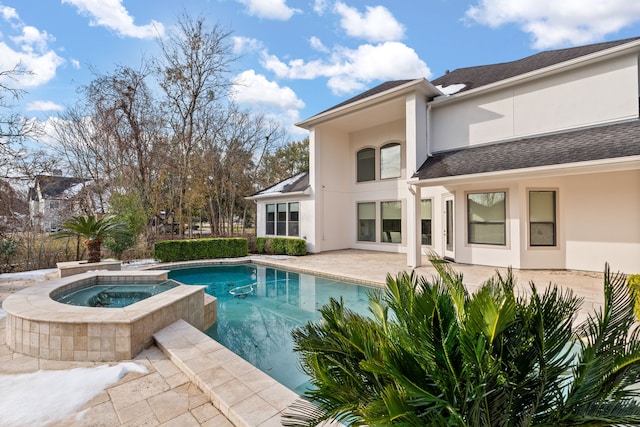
(281,246)
(185,250)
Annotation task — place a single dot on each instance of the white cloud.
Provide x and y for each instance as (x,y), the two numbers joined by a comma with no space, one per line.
(252,88)
(8,13)
(377,24)
(316,44)
(246,45)
(320,6)
(350,70)
(553,23)
(268,9)
(43,66)
(32,39)
(113,15)
(75,64)
(280,104)
(29,48)
(44,106)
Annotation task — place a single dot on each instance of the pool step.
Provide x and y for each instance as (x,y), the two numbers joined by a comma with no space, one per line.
(243,393)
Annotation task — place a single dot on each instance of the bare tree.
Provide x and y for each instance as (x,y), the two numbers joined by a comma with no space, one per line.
(15,129)
(193,74)
(233,158)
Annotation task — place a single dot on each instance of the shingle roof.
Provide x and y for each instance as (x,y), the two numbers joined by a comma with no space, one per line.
(474,77)
(54,186)
(293,184)
(373,91)
(596,143)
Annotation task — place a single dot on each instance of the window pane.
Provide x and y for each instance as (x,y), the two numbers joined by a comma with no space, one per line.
(293,219)
(366,165)
(542,218)
(543,234)
(271,218)
(487,218)
(390,161)
(281,229)
(490,234)
(366,222)
(425,220)
(542,206)
(391,222)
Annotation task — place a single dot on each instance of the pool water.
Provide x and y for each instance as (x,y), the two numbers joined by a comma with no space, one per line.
(113,295)
(255,319)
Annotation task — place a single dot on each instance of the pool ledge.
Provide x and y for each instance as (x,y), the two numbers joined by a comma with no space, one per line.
(41,327)
(243,393)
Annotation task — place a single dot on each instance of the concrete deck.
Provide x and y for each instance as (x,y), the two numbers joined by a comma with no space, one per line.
(175,392)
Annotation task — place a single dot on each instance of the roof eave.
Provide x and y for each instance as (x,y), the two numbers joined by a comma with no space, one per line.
(564,169)
(422,85)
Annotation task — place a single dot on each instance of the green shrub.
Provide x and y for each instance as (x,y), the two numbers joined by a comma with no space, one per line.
(185,250)
(434,354)
(281,246)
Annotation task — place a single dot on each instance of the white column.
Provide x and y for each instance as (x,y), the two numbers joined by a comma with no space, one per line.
(414,238)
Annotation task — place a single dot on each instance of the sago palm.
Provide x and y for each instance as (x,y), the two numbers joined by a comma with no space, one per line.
(432,354)
(94,231)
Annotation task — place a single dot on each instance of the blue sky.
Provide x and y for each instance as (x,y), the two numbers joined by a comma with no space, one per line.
(296,57)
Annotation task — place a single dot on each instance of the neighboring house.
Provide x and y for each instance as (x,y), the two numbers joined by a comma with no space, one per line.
(532,164)
(53,199)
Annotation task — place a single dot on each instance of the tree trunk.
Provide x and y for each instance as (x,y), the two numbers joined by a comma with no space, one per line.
(93,249)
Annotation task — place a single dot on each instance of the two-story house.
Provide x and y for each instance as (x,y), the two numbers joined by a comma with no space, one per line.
(533,163)
(55,198)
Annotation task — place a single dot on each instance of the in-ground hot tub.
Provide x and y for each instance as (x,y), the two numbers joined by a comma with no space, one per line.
(111,294)
(40,326)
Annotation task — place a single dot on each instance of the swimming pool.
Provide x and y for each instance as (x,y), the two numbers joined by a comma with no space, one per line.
(255,320)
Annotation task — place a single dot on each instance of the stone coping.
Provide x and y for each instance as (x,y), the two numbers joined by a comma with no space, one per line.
(70,268)
(36,303)
(268,261)
(244,394)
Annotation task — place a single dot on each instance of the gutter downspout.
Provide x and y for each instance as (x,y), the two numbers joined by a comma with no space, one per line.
(428,130)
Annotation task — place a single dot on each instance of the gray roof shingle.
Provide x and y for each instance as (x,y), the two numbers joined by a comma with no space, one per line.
(474,77)
(293,184)
(366,94)
(596,143)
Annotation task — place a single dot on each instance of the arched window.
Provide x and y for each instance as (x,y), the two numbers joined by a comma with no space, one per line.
(390,161)
(366,165)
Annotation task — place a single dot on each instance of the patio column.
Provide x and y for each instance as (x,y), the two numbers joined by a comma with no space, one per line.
(414,237)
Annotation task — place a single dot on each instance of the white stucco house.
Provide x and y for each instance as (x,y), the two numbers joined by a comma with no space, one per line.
(533,164)
(54,198)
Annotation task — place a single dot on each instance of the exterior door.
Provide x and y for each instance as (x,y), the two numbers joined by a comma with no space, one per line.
(448,214)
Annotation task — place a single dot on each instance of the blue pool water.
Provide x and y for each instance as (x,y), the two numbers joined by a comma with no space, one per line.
(256,323)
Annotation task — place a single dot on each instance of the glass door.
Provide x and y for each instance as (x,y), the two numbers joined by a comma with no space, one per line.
(449,252)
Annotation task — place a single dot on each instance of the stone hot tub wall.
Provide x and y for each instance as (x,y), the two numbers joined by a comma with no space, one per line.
(41,327)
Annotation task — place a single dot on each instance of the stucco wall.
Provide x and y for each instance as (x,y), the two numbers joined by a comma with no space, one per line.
(332,178)
(601,93)
(604,225)
(597,222)
(378,190)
